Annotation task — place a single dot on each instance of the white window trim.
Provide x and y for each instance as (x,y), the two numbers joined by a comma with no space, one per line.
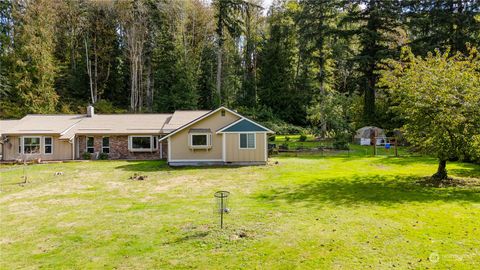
(206,146)
(23,145)
(254,141)
(106,146)
(86,144)
(151,149)
(45,144)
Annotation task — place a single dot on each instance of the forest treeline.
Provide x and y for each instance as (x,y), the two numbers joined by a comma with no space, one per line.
(305,62)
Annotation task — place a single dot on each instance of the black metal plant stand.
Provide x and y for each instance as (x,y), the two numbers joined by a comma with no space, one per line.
(222,204)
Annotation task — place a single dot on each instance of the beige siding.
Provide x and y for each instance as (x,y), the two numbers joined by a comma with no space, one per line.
(235,154)
(179,142)
(62,149)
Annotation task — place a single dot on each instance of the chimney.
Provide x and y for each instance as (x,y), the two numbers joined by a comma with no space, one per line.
(90,111)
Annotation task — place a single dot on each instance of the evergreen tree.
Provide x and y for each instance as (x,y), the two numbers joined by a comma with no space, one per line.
(206,79)
(317,21)
(228,17)
(378,29)
(277,62)
(442,23)
(248,95)
(34,65)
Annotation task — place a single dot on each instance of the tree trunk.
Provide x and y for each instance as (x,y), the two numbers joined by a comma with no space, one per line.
(441,173)
(219,55)
(219,74)
(89,71)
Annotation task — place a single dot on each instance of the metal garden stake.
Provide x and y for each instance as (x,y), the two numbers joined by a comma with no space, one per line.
(222,203)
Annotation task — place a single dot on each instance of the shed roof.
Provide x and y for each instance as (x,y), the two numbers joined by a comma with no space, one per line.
(199,130)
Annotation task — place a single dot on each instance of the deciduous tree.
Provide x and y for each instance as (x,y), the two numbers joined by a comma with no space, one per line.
(439,97)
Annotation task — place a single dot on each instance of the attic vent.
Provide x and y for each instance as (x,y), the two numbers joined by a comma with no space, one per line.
(223,112)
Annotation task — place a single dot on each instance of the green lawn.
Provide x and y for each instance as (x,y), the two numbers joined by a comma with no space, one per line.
(304,212)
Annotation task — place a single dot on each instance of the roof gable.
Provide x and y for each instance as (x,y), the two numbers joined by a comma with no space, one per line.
(244,125)
(200,119)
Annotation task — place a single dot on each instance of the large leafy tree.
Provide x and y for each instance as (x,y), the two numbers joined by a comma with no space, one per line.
(439,98)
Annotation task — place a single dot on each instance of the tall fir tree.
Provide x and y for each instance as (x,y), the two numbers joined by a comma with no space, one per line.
(440,24)
(34,65)
(278,61)
(378,28)
(317,21)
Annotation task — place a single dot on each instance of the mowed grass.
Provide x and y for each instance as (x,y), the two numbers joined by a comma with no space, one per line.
(302,213)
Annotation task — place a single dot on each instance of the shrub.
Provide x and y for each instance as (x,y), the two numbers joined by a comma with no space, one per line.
(341,141)
(86,155)
(271,138)
(103,156)
(287,139)
(302,138)
(341,145)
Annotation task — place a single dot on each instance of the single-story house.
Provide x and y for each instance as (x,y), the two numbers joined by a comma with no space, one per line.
(220,136)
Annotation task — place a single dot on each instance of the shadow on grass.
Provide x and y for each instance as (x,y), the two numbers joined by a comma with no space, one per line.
(378,189)
(144,166)
(467,170)
(161,165)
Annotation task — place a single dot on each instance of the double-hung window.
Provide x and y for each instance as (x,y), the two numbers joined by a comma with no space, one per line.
(90,145)
(247,140)
(47,145)
(31,145)
(106,145)
(142,143)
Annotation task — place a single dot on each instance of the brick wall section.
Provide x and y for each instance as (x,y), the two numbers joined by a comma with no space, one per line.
(119,148)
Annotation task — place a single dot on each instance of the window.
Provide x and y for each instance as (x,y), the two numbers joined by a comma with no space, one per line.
(47,145)
(90,147)
(247,141)
(222,112)
(142,143)
(106,145)
(200,140)
(31,145)
(19,145)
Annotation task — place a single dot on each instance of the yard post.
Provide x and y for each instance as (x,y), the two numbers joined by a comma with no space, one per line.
(396,149)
